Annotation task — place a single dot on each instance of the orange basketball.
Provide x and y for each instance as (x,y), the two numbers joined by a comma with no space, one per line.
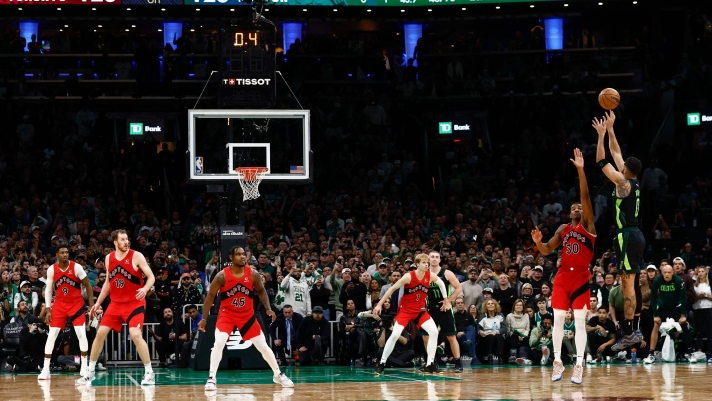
(609,98)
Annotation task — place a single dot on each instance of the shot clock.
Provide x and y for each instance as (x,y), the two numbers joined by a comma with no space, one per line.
(247,66)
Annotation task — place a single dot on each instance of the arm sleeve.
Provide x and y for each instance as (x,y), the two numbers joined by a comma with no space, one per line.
(48,287)
(79,271)
(16,300)
(35,300)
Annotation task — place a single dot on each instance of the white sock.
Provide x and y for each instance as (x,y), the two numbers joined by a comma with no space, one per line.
(216,354)
(92,366)
(84,360)
(432,330)
(261,344)
(46,364)
(148,367)
(557,334)
(391,343)
(580,336)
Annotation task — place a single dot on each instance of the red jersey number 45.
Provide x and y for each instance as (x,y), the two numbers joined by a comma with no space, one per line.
(238,302)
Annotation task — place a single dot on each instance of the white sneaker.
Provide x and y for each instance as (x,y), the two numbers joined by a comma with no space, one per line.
(589,359)
(524,361)
(558,372)
(44,375)
(621,356)
(86,379)
(283,380)
(100,367)
(149,379)
(577,377)
(650,359)
(211,385)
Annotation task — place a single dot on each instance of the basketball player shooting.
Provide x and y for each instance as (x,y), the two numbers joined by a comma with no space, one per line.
(412,308)
(237,284)
(572,280)
(629,242)
(128,289)
(65,279)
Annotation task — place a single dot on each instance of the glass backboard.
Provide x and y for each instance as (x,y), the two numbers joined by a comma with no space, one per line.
(221,141)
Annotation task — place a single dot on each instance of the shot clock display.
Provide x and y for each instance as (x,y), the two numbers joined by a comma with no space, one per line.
(247,66)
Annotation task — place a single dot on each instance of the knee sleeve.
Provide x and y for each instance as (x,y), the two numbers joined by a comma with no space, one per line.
(559,317)
(638,297)
(82,337)
(430,328)
(51,338)
(221,338)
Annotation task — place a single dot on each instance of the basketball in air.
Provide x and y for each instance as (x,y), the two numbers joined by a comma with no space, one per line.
(609,98)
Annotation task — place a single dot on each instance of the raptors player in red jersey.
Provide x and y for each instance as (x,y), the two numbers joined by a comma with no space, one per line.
(571,286)
(412,308)
(237,285)
(125,282)
(65,279)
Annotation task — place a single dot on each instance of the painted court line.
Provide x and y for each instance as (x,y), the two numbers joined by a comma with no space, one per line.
(405,378)
(132,379)
(445,378)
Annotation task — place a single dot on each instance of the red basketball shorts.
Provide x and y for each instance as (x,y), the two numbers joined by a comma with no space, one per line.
(117,314)
(74,312)
(405,316)
(246,324)
(571,289)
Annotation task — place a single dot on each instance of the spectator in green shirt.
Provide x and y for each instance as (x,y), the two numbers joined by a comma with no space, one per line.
(668,299)
(540,341)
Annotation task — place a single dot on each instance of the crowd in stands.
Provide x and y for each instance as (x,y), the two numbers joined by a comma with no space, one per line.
(329,250)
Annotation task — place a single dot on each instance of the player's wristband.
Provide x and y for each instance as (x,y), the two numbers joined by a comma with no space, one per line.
(603,163)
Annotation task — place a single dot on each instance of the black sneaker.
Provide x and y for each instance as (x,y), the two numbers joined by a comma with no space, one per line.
(379,369)
(423,369)
(433,368)
(458,365)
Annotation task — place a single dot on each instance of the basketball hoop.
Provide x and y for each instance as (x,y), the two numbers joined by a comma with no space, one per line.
(250,178)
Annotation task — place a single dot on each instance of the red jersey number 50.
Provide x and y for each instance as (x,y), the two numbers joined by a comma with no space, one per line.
(572,248)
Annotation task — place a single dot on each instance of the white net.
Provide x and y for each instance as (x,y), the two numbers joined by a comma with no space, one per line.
(250,181)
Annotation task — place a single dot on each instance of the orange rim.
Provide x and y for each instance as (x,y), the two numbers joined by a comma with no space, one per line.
(251,173)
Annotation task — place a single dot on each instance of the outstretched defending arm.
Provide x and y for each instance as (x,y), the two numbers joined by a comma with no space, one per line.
(587,212)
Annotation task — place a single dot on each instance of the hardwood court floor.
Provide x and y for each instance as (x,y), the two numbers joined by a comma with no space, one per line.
(607,382)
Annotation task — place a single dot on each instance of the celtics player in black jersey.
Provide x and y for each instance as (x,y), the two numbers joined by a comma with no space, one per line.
(444,320)
(629,242)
